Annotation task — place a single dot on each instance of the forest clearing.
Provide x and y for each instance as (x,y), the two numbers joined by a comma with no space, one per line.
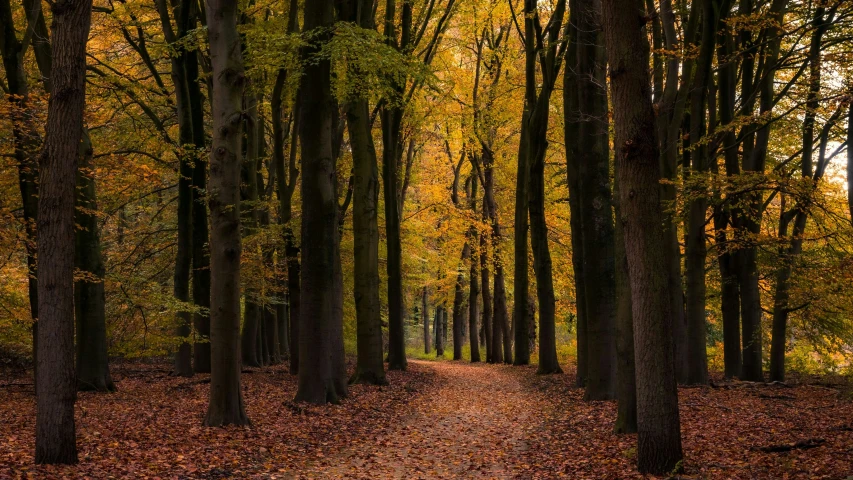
(426,239)
(439,419)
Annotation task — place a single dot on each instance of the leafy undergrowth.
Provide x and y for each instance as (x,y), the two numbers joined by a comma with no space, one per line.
(437,420)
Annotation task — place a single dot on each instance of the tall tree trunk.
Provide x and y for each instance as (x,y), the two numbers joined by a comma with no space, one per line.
(672,107)
(425,320)
(500,322)
(593,157)
(474,291)
(55,383)
(626,381)
(729,289)
(536,130)
(183,257)
(696,250)
(392,118)
(437,326)
(252,340)
(755,162)
(485,290)
(659,433)
(571,128)
(369,365)
(318,373)
(799,214)
(200,231)
(93,371)
(226,405)
(458,305)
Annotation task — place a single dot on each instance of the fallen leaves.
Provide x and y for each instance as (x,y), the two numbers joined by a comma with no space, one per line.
(437,420)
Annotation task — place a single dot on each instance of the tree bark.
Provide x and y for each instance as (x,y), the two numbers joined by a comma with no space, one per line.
(659,434)
(571,123)
(55,383)
(458,305)
(369,365)
(626,380)
(755,162)
(226,406)
(593,158)
(425,320)
(318,371)
(93,371)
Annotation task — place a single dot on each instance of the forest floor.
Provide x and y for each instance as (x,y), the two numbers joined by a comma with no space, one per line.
(437,420)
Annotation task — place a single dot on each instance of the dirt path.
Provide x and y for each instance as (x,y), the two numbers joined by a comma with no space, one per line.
(476,424)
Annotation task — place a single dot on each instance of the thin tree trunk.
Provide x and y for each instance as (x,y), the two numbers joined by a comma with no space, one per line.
(729,289)
(55,383)
(789,253)
(659,433)
(571,123)
(93,371)
(755,162)
(458,305)
(226,406)
(425,320)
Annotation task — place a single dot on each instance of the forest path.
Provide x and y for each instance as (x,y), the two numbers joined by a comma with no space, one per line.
(475,424)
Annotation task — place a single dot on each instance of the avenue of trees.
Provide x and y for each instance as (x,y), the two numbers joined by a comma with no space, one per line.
(650,190)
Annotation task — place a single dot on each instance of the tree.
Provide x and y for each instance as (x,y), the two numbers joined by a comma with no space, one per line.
(55,383)
(319,380)
(226,406)
(591,152)
(545,48)
(369,365)
(93,371)
(659,433)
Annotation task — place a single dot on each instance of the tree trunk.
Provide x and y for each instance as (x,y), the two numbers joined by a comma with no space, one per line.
(593,158)
(200,232)
(252,339)
(571,131)
(369,366)
(458,305)
(485,291)
(659,433)
(425,320)
(626,381)
(696,250)
(437,326)
(474,286)
(318,382)
(55,383)
(729,290)
(93,371)
(789,253)
(226,406)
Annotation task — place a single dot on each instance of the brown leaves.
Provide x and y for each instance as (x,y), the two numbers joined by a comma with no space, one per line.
(438,420)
